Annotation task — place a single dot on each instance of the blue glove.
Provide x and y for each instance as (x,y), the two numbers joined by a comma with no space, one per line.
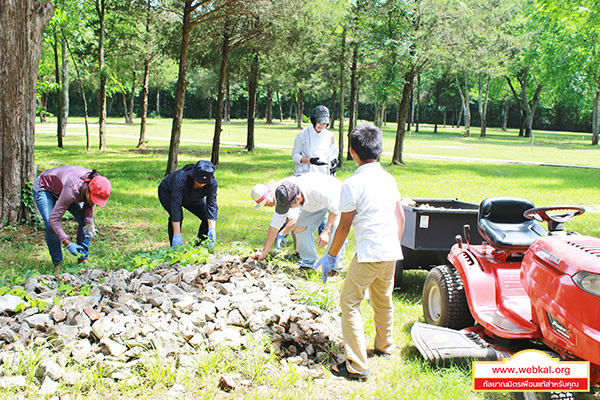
(89,230)
(75,249)
(279,241)
(212,237)
(327,264)
(177,241)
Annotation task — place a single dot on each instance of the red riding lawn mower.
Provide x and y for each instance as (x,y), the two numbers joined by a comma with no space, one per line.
(525,287)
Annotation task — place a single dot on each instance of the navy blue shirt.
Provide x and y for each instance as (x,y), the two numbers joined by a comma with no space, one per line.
(181,186)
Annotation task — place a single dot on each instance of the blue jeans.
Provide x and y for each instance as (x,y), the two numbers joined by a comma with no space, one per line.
(305,242)
(45,202)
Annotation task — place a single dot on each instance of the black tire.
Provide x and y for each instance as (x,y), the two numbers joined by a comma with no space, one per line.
(444,300)
(398,274)
(544,396)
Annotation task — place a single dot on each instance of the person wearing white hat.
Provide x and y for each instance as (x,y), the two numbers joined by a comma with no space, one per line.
(313,195)
(281,224)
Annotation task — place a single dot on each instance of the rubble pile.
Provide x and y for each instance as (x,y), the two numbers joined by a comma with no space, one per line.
(117,315)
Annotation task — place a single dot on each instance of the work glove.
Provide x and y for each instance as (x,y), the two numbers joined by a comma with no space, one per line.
(89,230)
(75,249)
(316,161)
(327,264)
(279,241)
(177,240)
(212,237)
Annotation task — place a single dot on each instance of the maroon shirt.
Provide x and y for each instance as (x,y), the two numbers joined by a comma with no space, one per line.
(67,184)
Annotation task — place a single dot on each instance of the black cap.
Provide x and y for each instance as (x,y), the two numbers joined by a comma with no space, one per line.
(321,115)
(285,196)
(202,172)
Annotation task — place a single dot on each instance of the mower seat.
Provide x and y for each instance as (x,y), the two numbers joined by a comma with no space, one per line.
(502,224)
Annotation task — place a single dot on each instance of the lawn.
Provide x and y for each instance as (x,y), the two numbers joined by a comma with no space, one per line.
(133,221)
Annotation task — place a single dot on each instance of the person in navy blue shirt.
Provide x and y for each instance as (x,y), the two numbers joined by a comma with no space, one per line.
(194,188)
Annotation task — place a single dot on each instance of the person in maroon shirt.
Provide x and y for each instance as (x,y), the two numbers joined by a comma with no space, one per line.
(77,190)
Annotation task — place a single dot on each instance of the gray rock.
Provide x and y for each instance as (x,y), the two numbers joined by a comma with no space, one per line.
(7,334)
(81,351)
(235,318)
(115,349)
(48,388)
(208,309)
(40,322)
(9,302)
(65,332)
(188,274)
(49,369)
(58,315)
(10,382)
(101,328)
(72,378)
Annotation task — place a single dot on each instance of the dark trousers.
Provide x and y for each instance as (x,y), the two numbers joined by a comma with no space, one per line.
(198,208)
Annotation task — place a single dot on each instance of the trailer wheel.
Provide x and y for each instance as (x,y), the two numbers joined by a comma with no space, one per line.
(444,300)
(398,274)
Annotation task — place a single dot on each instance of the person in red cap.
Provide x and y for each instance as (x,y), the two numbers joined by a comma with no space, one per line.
(77,190)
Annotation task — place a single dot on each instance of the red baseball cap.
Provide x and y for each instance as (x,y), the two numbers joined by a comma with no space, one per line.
(100,190)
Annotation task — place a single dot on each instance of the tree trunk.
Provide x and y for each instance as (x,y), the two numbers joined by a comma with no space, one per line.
(596,117)
(483,103)
(158,103)
(269,115)
(334,110)
(180,93)
(417,103)
(64,87)
(144,111)
(101,10)
(411,106)
(227,104)
(342,99)
(534,103)
(85,109)
(252,86)
(221,94)
(464,96)
(353,91)
(505,116)
(300,108)
(125,113)
(210,109)
(402,113)
(57,76)
(131,99)
(22,24)
(280,107)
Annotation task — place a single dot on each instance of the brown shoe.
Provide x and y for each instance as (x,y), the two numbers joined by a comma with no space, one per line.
(83,261)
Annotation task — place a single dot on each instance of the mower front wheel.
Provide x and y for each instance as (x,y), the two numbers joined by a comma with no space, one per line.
(444,300)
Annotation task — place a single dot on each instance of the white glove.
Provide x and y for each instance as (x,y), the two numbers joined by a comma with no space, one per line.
(89,230)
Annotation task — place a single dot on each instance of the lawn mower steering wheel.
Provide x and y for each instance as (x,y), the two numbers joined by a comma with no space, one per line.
(541,213)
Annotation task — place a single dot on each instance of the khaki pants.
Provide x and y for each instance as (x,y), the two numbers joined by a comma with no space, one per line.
(378,277)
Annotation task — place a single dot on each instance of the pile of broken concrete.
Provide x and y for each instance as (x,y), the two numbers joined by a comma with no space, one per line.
(172,309)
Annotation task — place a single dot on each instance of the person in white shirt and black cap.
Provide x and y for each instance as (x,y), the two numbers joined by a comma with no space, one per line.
(193,187)
(315,147)
(314,194)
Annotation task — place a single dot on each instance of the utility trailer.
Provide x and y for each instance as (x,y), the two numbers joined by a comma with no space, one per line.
(430,230)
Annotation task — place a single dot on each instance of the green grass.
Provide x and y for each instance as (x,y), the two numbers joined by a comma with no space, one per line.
(134,224)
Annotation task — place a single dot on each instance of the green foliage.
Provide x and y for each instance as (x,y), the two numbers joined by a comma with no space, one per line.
(184,255)
(28,201)
(325,297)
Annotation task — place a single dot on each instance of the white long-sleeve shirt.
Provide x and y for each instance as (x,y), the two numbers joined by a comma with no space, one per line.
(309,143)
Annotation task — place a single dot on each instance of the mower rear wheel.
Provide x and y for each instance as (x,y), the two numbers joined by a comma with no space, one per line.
(444,300)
